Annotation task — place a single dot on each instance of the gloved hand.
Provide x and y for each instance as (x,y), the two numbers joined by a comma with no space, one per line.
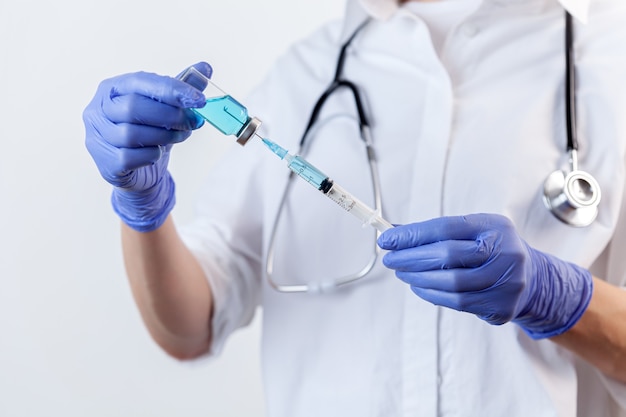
(131,124)
(480,265)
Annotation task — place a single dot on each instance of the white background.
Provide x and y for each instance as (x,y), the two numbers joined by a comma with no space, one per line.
(71,340)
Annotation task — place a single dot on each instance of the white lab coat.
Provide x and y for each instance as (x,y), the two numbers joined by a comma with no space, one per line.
(477,129)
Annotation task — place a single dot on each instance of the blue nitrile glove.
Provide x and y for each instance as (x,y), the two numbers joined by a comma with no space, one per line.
(131,124)
(480,265)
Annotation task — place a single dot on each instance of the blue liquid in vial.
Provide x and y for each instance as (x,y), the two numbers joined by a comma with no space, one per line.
(225,113)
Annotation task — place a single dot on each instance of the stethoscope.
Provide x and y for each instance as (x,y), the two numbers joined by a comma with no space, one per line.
(338,82)
(572,197)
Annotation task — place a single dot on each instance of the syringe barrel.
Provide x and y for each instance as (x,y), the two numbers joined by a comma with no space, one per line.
(357,208)
(307,171)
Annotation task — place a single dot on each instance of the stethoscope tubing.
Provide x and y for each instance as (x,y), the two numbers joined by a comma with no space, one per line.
(559,189)
(572,197)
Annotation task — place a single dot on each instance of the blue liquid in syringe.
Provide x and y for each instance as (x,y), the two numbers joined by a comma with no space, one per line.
(298,165)
(225,113)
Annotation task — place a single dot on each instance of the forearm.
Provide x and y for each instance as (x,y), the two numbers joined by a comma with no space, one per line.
(599,336)
(170,289)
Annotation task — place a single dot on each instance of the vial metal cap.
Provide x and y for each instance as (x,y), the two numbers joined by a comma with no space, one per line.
(248,130)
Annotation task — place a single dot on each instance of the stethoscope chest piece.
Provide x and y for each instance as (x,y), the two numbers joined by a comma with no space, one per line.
(573,198)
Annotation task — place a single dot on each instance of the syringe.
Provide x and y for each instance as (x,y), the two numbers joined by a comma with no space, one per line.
(231,118)
(329,188)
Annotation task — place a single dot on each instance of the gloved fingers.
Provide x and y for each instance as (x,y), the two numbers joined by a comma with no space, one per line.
(451,300)
(440,255)
(458,280)
(128,135)
(474,303)
(442,228)
(133,158)
(138,109)
(115,163)
(160,88)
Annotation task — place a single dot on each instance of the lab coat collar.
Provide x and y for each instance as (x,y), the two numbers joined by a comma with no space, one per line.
(359,10)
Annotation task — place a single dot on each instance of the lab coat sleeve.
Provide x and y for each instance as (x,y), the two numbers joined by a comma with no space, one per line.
(226,238)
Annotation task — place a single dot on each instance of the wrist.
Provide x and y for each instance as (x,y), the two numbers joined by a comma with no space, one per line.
(145,210)
(559,293)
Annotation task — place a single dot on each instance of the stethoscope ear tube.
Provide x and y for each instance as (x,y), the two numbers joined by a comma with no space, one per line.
(572,197)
